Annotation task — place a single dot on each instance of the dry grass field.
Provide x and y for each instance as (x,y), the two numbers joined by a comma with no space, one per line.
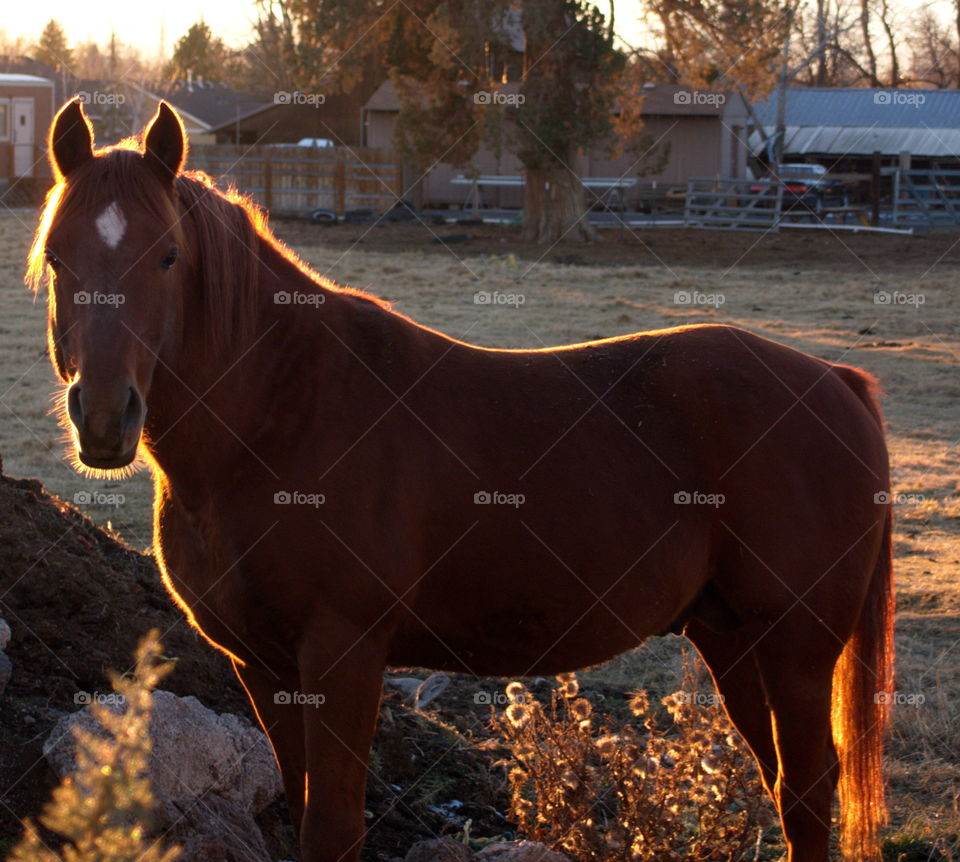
(813,293)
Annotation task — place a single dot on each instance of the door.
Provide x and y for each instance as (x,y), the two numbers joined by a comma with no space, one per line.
(22,138)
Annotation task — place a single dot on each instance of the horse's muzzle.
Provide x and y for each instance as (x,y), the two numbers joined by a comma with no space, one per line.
(108,424)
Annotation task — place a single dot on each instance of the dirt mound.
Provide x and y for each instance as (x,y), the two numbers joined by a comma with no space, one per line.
(77,601)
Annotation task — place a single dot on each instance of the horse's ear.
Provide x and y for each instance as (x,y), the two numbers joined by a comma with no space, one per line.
(165,143)
(71,139)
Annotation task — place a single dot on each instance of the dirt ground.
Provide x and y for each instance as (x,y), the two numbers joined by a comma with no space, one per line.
(889,304)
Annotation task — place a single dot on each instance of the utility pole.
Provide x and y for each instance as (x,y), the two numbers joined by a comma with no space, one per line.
(780,129)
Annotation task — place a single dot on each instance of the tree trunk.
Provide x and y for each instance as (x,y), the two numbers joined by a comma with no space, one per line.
(553,207)
(957,7)
(820,77)
(874,81)
(891,40)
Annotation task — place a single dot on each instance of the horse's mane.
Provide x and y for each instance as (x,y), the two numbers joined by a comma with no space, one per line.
(224,231)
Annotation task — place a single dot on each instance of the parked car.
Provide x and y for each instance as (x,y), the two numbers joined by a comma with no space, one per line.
(809,186)
(308,142)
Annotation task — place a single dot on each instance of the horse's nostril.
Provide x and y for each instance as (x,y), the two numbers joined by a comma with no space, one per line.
(74,407)
(132,412)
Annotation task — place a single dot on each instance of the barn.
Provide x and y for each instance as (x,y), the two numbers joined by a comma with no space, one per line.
(843,128)
(26,109)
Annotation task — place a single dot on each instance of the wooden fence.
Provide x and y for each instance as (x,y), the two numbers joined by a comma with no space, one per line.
(298,180)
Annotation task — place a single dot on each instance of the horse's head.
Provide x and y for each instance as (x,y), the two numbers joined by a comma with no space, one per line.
(109,243)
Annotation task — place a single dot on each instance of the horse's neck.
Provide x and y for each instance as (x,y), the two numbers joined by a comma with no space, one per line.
(209,414)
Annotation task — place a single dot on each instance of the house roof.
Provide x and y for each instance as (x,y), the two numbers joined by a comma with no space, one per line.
(214,104)
(24,80)
(384,98)
(859,121)
(683,101)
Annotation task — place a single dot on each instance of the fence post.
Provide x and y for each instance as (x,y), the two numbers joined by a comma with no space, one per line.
(340,187)
(267,179)
(398,179)
(875,190)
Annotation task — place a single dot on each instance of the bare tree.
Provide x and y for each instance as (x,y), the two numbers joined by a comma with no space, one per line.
(889,26)
(934,59)
(824,33)
(871,56)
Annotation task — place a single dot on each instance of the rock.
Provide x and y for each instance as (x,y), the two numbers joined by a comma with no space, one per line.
(519,851)
(448,850)
(211,775)
(406,685)
(5,634)
(418,693)
(439,850)
(6,671)
(212,830)
(430,689)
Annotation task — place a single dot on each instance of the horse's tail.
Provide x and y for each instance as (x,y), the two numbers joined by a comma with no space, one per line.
(862,682)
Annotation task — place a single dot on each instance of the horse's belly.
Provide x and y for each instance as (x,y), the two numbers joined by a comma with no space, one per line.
(538,631)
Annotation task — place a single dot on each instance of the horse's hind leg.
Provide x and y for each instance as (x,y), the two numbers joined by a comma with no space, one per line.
(733,666)
(796,661)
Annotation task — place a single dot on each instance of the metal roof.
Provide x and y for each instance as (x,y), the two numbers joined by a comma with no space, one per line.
(892,109)
(13,78)
(863,121)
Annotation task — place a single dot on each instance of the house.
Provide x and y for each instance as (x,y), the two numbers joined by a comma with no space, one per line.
(287,114)
(26,109)
(704,135)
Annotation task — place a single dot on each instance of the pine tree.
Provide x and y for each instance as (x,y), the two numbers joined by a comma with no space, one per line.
(53,49)
(448,62)
(198,51)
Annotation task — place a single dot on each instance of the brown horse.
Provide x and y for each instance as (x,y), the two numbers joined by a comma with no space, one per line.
(339,489)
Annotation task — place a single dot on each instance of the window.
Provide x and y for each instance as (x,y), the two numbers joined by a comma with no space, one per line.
(4,119)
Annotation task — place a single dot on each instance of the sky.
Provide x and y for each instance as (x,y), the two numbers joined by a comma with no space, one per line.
(140,24)
(150,25)
(143,25)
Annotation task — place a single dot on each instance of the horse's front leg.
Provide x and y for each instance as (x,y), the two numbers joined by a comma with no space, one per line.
(272,696)
(341,679)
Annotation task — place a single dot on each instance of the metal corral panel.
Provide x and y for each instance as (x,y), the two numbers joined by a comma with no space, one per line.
(732,204)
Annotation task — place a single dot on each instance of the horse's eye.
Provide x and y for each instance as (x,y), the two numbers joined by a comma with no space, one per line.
(52,260)
(171,258)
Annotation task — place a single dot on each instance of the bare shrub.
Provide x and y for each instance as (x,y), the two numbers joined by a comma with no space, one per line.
(599,789)
(102,812)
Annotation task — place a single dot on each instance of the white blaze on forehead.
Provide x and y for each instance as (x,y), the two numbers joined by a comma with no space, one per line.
(111,224)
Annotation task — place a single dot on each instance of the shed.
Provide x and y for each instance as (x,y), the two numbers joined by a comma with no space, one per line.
(26,110)
(842,128)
